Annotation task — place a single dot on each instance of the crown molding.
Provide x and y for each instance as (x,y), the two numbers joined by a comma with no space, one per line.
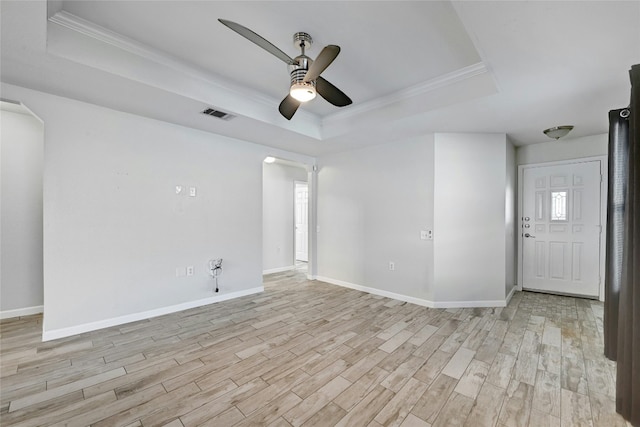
(157,56)
(410,92)
(97,32)
(105,35)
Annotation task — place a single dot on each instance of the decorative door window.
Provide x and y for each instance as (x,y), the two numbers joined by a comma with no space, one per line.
(559,205)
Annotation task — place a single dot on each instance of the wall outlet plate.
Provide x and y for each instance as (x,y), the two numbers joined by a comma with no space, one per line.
(426,234)
(192,191)
(190,270)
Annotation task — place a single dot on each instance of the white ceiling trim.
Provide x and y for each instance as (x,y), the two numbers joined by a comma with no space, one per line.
(255,105)
(410,92)
(12,106)
(18,108)
(105,35)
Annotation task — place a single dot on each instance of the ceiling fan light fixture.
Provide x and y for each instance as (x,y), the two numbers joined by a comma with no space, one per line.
(557,132)
(302,91)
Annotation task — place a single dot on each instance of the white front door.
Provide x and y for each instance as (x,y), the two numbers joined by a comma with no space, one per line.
(561,228)
(302,220)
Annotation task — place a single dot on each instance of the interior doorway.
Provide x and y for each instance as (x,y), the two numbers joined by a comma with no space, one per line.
(301,206)
(561,226)
(21,213)
(286,206)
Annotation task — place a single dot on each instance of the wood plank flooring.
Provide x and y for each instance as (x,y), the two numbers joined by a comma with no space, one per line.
(306,353)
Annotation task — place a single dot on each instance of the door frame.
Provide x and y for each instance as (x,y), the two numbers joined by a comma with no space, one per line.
(603,211)
(295,201)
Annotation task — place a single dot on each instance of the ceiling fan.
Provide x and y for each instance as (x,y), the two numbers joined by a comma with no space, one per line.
(305,72)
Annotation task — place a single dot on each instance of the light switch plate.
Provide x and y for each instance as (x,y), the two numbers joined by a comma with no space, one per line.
(192,191)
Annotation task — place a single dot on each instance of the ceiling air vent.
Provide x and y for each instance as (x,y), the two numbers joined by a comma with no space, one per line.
(217,113)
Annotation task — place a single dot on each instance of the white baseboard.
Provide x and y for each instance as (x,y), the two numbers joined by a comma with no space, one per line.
(101,324)
(379,292)
(414,300)
(18,312)
(469,304)
(279,269)
(514,288)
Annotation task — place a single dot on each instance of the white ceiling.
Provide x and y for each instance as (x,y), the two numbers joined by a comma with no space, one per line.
(410,67)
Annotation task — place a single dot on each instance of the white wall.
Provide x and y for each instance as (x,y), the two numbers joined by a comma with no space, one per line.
(563,149)
(21,153)
(278,215)
(469,218)
(372,204)
(510,212)
(114,229)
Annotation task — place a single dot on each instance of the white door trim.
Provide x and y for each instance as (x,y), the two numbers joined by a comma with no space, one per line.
(603,210)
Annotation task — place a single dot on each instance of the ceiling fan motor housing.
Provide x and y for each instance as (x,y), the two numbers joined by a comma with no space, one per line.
(297,76)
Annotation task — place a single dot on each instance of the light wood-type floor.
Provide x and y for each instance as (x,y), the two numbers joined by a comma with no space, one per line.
(312,354)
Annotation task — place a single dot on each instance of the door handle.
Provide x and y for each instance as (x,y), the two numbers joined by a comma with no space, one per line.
(529,235)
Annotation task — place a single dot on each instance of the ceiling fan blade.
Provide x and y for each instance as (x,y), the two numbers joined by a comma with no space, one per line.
(326,57)
(257,39)
(331,93)
(288,107)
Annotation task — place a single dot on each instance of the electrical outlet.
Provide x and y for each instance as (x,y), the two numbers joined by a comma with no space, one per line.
(426,234)
(192,191)
(392,266)
(190,270)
